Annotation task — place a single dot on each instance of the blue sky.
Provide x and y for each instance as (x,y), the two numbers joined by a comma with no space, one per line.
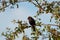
(25,9)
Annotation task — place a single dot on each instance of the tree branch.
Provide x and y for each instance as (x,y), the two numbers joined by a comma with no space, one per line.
(51,24)
(37,2)
(4,7)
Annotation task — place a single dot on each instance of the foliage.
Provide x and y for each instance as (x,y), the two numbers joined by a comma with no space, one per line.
(44,7)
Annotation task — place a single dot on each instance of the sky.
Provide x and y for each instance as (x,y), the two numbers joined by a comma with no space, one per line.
(25,9)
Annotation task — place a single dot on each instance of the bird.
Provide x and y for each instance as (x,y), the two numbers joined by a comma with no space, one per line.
(32,22)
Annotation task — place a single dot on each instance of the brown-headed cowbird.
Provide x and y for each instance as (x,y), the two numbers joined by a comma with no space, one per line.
(32,22)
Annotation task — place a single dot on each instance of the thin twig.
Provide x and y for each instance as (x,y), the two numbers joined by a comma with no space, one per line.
(51,24)
(37,2)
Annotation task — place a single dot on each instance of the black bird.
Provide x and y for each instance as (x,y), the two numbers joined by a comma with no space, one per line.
(32,22)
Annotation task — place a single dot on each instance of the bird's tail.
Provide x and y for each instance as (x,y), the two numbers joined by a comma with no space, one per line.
(33,27)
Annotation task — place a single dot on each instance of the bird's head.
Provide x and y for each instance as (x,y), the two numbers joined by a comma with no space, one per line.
(29,18)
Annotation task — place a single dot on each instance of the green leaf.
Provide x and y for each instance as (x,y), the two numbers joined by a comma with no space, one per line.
(56,18)
(2,33)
